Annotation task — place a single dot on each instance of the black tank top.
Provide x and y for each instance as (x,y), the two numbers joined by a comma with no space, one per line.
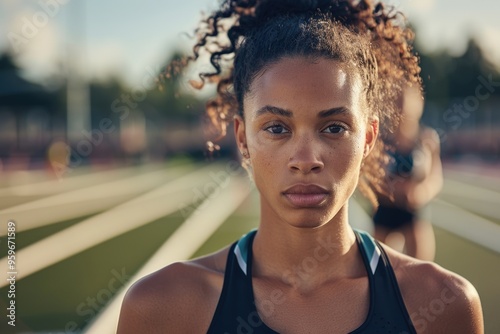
(236,312)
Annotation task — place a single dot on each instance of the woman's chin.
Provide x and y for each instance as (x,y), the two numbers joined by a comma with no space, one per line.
(307,221)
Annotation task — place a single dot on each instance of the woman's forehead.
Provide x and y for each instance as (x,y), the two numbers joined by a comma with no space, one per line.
(299,82)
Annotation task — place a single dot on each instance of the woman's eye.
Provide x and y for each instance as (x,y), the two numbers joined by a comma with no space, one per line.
(335,129)
(276,129)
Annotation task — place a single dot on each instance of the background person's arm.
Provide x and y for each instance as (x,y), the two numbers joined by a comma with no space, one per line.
(422,192)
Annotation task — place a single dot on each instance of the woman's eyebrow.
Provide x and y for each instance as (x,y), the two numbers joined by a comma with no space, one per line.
(274,110)
(333,111)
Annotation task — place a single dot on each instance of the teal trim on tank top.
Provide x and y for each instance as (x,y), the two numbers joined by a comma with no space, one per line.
(372,251)
(241,250)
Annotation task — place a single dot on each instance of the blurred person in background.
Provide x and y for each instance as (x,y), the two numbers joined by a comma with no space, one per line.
(306,85)
(415,177)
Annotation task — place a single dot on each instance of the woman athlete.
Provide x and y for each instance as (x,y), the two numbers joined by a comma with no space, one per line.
(311,88)
(415,176)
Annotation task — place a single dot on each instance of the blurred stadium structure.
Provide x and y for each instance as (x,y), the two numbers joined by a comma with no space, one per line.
(152,123)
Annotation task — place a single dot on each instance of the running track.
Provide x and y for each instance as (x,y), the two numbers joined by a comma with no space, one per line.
(77,235)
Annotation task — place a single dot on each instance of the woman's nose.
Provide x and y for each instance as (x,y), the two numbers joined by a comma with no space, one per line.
(305,157)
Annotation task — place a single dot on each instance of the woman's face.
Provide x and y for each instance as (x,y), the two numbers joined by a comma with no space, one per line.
(306,134)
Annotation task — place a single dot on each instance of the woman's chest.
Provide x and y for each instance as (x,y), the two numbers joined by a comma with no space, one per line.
(340,307)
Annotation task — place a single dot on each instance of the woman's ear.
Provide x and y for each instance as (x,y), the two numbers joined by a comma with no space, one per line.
(372,130)
(239,134)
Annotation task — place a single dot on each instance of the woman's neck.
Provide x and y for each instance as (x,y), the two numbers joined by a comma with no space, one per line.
(306,258)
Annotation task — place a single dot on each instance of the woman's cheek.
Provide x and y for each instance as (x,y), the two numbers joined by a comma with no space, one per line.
(265,150)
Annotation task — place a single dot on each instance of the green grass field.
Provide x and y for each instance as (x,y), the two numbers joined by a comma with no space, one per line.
(71,292)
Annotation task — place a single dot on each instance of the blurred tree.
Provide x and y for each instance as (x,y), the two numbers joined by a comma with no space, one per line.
(434,76)
(103,97)
(17,91)
(170,95)
(7,63)
(464,70)
(462,101)
(448,77)
(26,111)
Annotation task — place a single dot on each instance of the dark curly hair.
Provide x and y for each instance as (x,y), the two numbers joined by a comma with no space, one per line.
(245,36)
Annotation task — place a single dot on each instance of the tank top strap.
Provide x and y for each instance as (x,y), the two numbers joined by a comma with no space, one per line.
(236,311)
(371,250)
(387,309)
(242,250)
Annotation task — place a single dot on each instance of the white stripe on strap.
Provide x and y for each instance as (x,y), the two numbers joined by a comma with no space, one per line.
(375,259)
(240,259)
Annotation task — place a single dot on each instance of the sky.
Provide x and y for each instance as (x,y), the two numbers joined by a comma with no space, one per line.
(131,39)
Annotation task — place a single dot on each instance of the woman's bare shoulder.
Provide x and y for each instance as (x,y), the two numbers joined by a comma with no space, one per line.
(438,300)
(181,297)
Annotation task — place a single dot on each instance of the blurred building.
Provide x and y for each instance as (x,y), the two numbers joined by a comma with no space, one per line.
(26,122)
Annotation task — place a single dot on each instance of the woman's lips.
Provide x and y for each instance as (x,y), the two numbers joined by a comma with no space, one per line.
(306,195)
